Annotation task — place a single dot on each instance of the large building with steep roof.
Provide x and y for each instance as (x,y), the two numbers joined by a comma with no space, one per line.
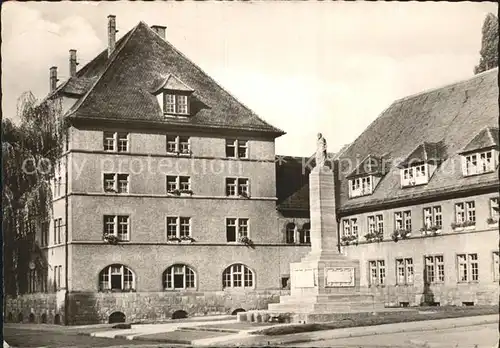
(171,201)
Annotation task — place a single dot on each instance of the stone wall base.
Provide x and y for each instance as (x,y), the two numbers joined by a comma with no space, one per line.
(94,308)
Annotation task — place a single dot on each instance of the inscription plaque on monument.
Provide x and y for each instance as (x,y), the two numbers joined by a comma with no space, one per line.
(303,278)
(339,277)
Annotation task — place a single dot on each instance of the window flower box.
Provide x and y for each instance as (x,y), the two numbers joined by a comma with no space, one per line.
(431,230)
(492,222)
(461,226)
(244,195)
(376,236)
(174,192)
(400,234)
(111,239)
(187,239)
(173,240)
(349,240)
(246,241)
(186,192)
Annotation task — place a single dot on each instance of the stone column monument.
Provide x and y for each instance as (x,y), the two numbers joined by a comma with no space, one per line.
(324,283)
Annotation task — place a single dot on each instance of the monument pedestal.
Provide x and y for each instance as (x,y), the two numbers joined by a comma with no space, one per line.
(325,285)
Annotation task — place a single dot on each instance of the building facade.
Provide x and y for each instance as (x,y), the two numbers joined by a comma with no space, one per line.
(170,203)
(169,199)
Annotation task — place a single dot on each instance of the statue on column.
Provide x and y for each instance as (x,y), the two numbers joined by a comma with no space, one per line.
(321,151)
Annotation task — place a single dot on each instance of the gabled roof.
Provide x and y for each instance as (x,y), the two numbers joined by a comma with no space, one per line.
(451,115)
(292,177)
(125,81)
(172,83)
(425,153)
(371,165)
(487,138)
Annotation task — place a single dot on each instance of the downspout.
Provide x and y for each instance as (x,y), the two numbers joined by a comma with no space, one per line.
(66,213)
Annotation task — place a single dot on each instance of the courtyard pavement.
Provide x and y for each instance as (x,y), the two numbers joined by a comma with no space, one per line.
(220,331)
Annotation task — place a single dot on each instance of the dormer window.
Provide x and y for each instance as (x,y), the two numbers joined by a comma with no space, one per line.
(415,175)
(176,104)
(173,96)
(479,163)
(361,186)
(365,178)
(481,154)
(418,167)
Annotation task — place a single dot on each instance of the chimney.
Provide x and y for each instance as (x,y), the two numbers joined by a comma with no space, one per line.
(159,30)
(111,34)
(72,63)
(53,78)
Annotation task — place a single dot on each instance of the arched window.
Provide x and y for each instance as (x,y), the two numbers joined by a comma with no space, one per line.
(178,277)
(290,233)
(237,276)
(116,277)
(305,234)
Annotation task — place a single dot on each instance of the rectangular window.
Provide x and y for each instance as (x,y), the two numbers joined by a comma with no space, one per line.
(346,227)
(236,228)
(377,272)
(465,212)
(380,223)
(434,269)
(58,231)
(496,266)
(354,226)
(117,225)
(115,141)
(109,141)
(236,148)
(171,227)
(185,226)
(404,269)
(116,183)
(170,103)
(438,219)
(237,187)
(494,208)
(415,175)
(479,163)
(433,217)
(182,104)
(360,186)
(180,145)
(402,220)
(468,268)
(178,227)
(180,183)
(371,224)
(184,183)
(231,229)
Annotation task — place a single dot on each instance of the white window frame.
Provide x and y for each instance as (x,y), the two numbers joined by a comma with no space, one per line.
(361,186)
(237,183)
(117,140)
(178,179)
(376,273)
(116,182)
(436,262)
(480,162)
(305,234)
(350,227)
(116,226)
(178,226)
(229,275)
(108,272)
(188,284)
(175,104)
(468,209)
(467,268)
(494,214)
(239,228)
(181,147)
(290,229)
(405,271)
(236,145)
(415,175)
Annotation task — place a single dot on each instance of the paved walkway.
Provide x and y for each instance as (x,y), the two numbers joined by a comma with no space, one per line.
(244,339)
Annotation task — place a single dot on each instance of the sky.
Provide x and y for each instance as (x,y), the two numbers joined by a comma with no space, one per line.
(305,67)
